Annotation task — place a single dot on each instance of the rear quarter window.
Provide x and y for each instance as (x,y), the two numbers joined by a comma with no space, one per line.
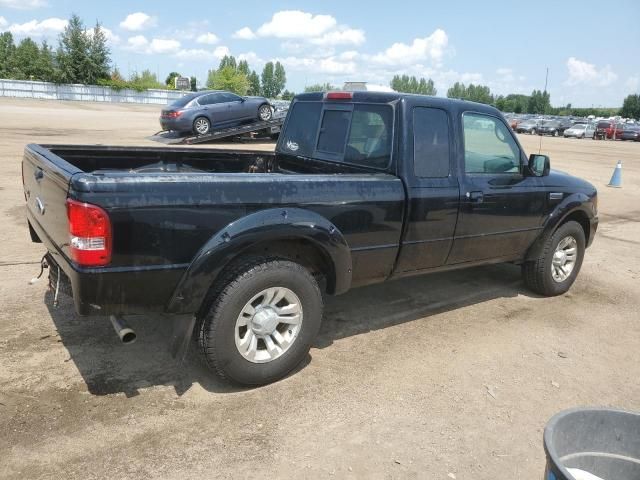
(302,126)
(430,143)
(359,134)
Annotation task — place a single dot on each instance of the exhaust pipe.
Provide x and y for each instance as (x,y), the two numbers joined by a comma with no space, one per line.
(124,331)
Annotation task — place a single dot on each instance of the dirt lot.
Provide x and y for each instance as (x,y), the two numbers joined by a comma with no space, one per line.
(398,385)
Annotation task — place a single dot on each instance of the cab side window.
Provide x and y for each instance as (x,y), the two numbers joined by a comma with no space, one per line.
(209,99)
(430,143)
(489,146)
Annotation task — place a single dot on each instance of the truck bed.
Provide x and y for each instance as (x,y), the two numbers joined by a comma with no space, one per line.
(164,204)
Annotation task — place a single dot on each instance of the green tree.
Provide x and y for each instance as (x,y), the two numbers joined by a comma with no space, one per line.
(7,54)
(228,78)
(194,84)
(72,55)
(427,87)
(287,95)
(458,90)
(319,87)
(46,69)
(98,55)
(145,81)
(407,84)
(631,107)
(170,81)
(268,81)
(539,102)
(472,93)
(279,79)
(25,60)
(243,67)
(228,61)
(254,84)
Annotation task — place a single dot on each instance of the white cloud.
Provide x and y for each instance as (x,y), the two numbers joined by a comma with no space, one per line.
(23,4)
(429,48)
(349,55)
(138,21)
(582,72)
(244,33)
(330,65)
(251,58)
(3,22)
(342,36)
(140,44)
(195,54)
(162,45)
(208,38)
(221,51)
(632,83)
(35,28)
(296,24)
(334,66)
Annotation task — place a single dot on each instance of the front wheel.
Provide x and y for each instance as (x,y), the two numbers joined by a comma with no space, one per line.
(264,317)
(556,269)
(264,113)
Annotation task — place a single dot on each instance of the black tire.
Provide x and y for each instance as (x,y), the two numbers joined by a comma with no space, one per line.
(239,284)
(555,133)
(533,131)
(265,113)
(206,126)
(537,274)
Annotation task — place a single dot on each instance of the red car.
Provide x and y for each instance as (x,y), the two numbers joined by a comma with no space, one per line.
(607,129)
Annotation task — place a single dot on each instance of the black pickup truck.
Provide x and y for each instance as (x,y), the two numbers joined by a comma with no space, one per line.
(363,187)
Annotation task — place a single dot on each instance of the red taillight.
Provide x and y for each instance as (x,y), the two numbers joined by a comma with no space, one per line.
(339,96)
(90,234)
(171,114)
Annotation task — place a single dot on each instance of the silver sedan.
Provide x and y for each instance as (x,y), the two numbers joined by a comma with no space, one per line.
(580,130)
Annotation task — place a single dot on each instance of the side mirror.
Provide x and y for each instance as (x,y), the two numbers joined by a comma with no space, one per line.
(539,165)
(243,99)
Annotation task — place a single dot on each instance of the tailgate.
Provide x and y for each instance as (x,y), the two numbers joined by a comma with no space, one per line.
(46,183)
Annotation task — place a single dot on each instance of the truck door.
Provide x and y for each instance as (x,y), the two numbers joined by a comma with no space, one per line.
(500,208)
(433,192)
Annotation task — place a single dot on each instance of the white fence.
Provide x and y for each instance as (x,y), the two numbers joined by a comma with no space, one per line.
(85,93)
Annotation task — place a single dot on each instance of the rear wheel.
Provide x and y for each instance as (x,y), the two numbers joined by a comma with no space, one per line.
(556,269)
(201,126)
(264,113)
(265,315)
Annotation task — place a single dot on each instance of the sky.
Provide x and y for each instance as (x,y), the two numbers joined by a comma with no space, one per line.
(591,48)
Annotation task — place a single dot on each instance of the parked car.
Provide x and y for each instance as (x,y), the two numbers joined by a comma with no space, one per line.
(608,129)
(580,130)
(528,126)
(631,132)
(200,112)
(346,199)
(552,127)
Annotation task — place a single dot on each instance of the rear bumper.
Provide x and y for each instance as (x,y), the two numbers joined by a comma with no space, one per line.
(111,290)
(175,124)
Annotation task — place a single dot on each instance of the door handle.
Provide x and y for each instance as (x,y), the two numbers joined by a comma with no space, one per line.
(475,197)
(38,174)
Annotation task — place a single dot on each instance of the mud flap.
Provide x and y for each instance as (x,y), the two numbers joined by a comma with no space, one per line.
(182,331)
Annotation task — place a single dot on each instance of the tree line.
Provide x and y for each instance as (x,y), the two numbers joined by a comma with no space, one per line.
(83,56)
(237,77)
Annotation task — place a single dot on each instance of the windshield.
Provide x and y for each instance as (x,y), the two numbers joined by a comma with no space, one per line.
(181,102)
(604,124)
(359,134)
(580,126)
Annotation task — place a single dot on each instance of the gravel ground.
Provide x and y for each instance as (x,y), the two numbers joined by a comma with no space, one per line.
(453,373)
